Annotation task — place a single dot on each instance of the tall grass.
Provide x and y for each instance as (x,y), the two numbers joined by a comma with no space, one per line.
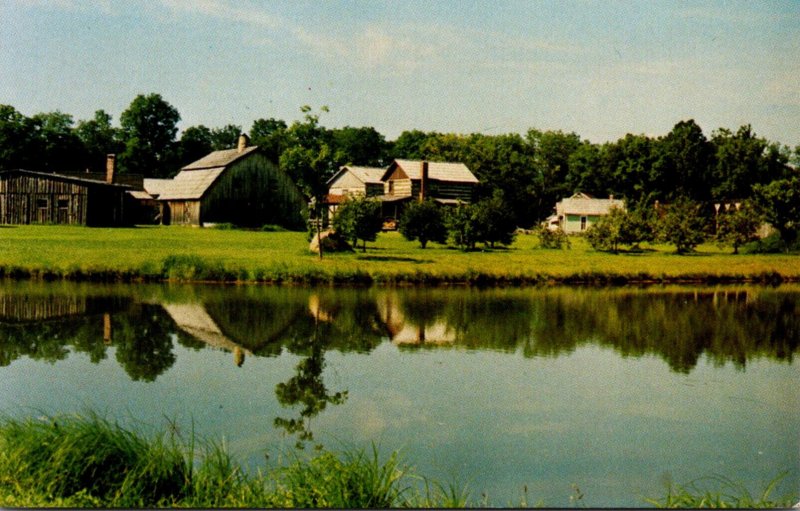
(87,461)
(721,492)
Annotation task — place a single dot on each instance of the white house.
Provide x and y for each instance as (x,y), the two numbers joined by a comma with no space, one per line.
(577,213)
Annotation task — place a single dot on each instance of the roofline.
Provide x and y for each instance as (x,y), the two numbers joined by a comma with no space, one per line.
(252,150)
(337,174)
(66,178)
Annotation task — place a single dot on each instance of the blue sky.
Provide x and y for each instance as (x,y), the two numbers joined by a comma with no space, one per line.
(599,68)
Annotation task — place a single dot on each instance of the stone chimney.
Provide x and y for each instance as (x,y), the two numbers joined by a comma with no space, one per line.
(423,181)
(111,160)
(244,140)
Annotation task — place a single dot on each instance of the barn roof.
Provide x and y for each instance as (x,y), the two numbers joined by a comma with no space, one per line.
(64,177)
(439,170)
(583,204)
(188,184)
(220,158)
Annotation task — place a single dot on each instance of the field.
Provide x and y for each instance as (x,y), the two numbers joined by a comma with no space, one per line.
(192,254)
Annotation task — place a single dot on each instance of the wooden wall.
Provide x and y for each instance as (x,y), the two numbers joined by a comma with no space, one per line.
(252,192)
(26,199)
(184,212)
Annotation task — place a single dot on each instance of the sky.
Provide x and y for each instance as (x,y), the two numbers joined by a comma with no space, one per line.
(601,69)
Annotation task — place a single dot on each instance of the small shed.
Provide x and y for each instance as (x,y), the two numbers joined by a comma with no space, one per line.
(445,182)
(239,186)
(352,180)
(577,213)
(31,197)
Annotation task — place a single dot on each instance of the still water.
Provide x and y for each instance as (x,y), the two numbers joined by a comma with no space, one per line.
(615,392)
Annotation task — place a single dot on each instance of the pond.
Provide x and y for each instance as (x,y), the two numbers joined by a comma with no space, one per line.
(611,391)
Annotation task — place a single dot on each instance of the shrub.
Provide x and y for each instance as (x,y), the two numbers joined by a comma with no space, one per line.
(682,225)
(555,238)
(739,226)
(463,227)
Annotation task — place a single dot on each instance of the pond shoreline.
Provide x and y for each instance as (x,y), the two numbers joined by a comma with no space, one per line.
(359,278)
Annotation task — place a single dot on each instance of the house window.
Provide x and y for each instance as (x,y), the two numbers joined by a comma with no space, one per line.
(391,188)
(42,210)
(583,223)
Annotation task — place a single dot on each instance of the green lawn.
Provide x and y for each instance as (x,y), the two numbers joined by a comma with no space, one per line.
(212,254)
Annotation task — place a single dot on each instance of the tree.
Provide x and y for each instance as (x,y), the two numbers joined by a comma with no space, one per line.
(638,225)
(226,137)
(683,165)
(682,225)
(99,139)
(359,146)
(495,222)
(58,147)
(409,145)
(423,221)
(16,139)
(780,202)
(149,126)
(607,232)
(739,225)
(462,226)
(743,160)
(359,218)
(196,142)
(270,137)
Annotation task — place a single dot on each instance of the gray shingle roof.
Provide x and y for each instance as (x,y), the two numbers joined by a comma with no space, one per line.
(442,171)
(190,184)
(581,205)
(219,158)
(367,174)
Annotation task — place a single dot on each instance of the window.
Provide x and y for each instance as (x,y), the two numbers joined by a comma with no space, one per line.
(583,223)
(391,187)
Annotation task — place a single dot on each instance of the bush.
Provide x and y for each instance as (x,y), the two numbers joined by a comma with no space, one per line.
(423,221)
(682,225)
(555,238)
(463,227)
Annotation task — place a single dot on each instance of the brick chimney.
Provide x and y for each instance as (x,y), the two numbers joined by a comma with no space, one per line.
(244,140)
(423,181)
(111,160)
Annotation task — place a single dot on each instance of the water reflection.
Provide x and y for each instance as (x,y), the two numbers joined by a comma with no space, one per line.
(46,322)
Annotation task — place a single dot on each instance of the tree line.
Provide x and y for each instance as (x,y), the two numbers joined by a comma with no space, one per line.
(528,172)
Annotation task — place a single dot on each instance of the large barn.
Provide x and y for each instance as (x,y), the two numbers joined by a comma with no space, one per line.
(240,186)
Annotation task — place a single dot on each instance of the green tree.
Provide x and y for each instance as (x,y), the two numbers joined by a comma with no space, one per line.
(463,227)
(423,221)
(780,202)
(58,147)
(682,225)
(196,142)
(270,137)
(638,225)
(16,139)
(739,225)
(607,232)
(226,137)
(683,164)
(99,139)
(359,218)
(742,160)
(359,146)
(409,145)
(495,221)
(149,127)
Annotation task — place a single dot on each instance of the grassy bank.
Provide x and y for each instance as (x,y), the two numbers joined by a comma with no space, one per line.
(74,461)
(191,254)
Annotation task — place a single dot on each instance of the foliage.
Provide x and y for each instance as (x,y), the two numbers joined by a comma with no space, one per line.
(607,232)
(739,225)
(682,225)
(780,202)
(424,222)
(463,227)
(552,238)
(99,139)
(638,225)
(496,223)
(359,218)
(148,129)
(723,493)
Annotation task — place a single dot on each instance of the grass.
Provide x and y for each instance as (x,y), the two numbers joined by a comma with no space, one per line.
(87,461)
(155,253)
